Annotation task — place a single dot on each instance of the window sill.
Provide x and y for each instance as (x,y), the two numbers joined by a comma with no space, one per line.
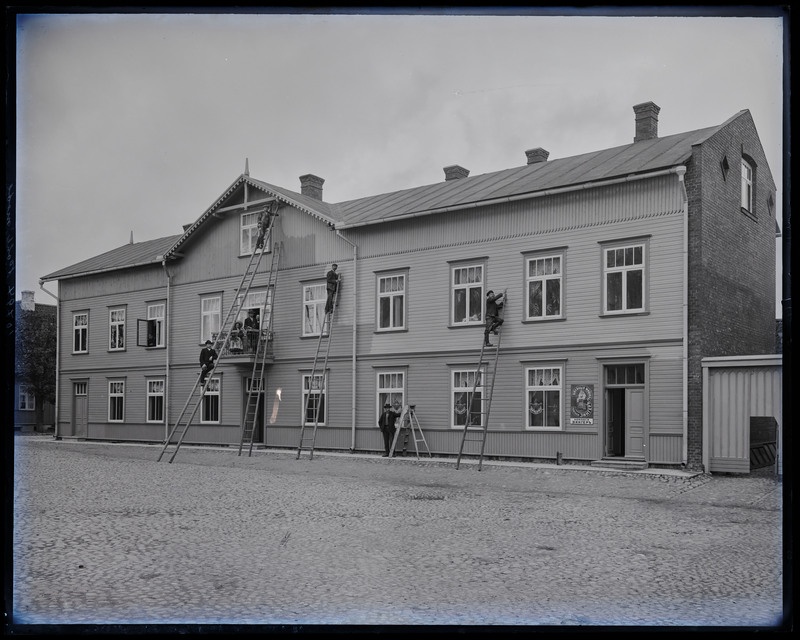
(539,320)
(400,330)
(466,325)
(624,314)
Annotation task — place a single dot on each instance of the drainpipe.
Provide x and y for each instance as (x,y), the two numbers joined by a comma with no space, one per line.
(166,352)
(58,342)
(681,171)
(355,325)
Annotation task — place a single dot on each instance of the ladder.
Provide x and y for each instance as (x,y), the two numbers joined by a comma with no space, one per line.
(256,390)
(409,425)
(320,365)
(221,340)
(479,415)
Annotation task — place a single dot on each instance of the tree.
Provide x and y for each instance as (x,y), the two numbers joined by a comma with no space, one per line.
(35,356)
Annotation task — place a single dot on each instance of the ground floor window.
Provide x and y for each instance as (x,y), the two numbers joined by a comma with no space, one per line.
(27,401)
(391,389)
(155,400)
(543,387)
(210,410)
(314,399)
(467,398)
(116,400)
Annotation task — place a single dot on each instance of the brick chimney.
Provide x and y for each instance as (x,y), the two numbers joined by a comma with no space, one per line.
(646,121)
(311,186)
(27,303)
(455,172)
(537,155)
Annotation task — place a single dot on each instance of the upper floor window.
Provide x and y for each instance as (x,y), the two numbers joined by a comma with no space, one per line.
(155,324)
(543,389)
(391,302)
(467,294)
(116,400)
(249,233)
(210,317)
(544,281)
(155,400)
(391,389)
(116,329)
(467,398)
(624,278)
(80,332)
(747,186)
(27,400)
(314,297)
(256,309)
(210,410)
(314,399)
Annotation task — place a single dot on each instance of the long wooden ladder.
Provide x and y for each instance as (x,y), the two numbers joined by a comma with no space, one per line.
(220,342)
(478,415)
(256,391)
(409,425)
(307,440)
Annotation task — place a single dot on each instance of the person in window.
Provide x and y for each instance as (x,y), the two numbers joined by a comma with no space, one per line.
(386,423)
(237,337)
(332,283)
(208,357)
(251,324)
(494,303)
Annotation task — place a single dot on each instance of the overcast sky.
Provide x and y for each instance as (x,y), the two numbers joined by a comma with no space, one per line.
(138,123)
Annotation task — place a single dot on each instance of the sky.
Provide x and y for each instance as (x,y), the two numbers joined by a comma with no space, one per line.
(134,124)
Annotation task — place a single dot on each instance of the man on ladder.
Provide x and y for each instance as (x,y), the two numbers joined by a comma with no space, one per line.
(494,303)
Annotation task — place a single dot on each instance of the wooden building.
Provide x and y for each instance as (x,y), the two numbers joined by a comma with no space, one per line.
(624,268)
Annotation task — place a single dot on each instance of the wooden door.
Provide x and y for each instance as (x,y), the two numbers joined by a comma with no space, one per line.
(634,422)
(80,409)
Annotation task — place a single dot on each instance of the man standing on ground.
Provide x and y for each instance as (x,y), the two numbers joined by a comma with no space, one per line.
(386,423)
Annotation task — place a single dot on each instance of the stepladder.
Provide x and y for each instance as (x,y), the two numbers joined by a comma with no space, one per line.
(409,427)
(477,399)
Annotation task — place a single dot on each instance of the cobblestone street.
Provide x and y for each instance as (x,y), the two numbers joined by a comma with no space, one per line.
(105,534)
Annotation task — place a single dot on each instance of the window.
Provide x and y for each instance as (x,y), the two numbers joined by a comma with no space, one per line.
(625,374)
(314,399)
(314,297)
(391,302)
(27,400)
(465,403)
(80,333)
(254,303)
(155,324)
(467,283)
(210,310)
(249,233)
(543,388)
(210,411)
(747,186)
(543,275)
(391,389)
(116,400)
(155,400)
(116,330)
(624,279)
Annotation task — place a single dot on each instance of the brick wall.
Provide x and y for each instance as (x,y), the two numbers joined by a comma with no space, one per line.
(731,260)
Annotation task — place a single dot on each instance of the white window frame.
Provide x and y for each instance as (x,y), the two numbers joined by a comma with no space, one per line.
(314,298)
(212,401)
(747,186)
(27,399)
(539,380)
(317,391)
(116,329)
(545,272)
(625,270)
(462,381)
(248,233)
(261,300)
(155,390)
(116,396)
(80,331)
(391,292)
(473,276)
(156,313)
(390,386)
(210,317)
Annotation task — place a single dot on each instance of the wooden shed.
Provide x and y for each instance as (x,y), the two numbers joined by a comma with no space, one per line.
(742,416)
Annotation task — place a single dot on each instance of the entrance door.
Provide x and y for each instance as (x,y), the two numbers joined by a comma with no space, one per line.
(258,431)
(80,409)
(615,422)
(634,422)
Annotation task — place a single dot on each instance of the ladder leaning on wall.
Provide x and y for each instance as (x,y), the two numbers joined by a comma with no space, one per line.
(256,392)
(479,415)
(318,370)
(221,340)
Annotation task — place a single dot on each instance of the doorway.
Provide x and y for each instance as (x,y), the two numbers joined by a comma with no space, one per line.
(258,430)
(80,409)
(625,410)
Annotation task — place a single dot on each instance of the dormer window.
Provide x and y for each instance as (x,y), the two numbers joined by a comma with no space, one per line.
(747,186)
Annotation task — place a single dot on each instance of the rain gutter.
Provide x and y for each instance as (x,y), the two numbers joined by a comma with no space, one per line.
(355,331)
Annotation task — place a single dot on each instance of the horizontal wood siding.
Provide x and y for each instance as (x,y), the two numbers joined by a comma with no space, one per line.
(665,448)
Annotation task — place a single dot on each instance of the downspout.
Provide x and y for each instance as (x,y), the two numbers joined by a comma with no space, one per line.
(58,342)
(355,326)
(681,171)
(166,352)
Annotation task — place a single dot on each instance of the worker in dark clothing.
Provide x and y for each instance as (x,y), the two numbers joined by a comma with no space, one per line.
(207,358)
(331,284)
(386,423)
(494,303)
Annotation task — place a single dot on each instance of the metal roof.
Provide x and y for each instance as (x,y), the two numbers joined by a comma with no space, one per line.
(631,159)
